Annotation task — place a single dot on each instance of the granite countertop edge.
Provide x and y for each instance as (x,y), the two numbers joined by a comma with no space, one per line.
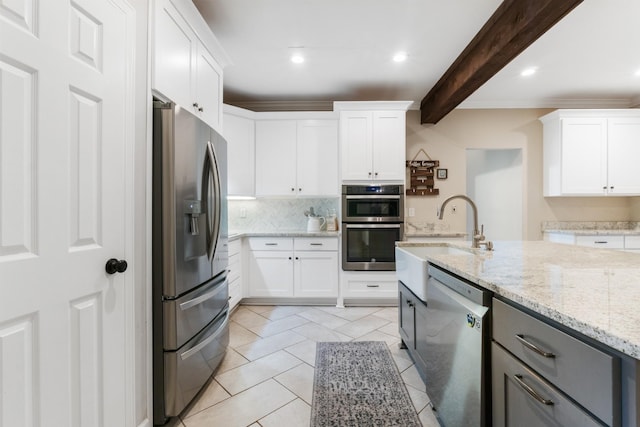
(292,233)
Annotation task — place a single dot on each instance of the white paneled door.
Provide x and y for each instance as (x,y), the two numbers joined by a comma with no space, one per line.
(66,135)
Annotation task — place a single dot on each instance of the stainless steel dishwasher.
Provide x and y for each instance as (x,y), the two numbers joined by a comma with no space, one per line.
(456,342)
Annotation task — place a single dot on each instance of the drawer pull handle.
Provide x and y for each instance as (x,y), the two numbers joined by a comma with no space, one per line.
(316,244)
(601,241)
(531,391)
(534,347)
(373,286)
(271,244)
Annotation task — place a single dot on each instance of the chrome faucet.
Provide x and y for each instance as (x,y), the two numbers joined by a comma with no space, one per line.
(478,235)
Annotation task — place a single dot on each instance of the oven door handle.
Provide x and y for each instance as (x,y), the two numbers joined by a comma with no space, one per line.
(372,225)
(367,197)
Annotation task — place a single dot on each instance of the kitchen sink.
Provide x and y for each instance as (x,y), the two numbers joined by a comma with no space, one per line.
(411,264)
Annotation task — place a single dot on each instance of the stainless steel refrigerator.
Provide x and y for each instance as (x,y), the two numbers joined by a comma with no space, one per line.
(190,256)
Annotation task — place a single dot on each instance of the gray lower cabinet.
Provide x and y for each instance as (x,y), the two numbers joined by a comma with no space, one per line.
(411,321)
(521,398)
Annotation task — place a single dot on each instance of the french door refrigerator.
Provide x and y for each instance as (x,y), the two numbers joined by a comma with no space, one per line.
(190,257)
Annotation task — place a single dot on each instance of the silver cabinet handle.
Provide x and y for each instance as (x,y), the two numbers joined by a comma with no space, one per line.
(373,286)
(534,347)
(601,242)
(316,244)
(271,244)
(531,391)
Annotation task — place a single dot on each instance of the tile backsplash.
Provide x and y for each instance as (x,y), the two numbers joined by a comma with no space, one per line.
(266,215)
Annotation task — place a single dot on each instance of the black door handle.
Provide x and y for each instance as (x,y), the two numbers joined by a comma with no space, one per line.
(116,266)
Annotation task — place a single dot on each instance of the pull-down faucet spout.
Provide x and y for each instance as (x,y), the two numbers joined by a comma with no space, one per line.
(478,235)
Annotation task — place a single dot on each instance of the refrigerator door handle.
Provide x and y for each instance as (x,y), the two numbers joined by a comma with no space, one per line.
(204,343)
(199,299)
(213,203)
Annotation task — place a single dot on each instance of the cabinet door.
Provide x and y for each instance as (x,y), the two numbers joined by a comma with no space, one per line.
(276,157)
(623,154)
(316,274)
(584,154)
(208,94)
(270,274)
(407,317)
(317,158)
(515,406)
(239,133)
(389,137)
(356,139)
(173,55)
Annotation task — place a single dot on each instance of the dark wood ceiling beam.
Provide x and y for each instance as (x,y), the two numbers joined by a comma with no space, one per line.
(514,26)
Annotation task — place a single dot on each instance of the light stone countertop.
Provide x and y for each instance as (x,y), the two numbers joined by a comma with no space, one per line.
(595,292)
(234,235)
(590,228)
(596,232)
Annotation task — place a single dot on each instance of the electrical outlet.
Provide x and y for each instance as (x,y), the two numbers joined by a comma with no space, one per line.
(412,212)
(454,209)
(243,212)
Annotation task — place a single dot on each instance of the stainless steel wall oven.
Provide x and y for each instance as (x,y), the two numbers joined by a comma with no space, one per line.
(372,221)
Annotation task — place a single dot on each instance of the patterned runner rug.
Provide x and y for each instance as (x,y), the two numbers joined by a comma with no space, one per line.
(358,384)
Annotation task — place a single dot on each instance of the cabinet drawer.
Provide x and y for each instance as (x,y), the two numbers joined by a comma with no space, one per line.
(315,244)
(588,375)
(271,243)
(632,242)
(514,403)
(372,287)
(234,272)
(235,247)
(601,241)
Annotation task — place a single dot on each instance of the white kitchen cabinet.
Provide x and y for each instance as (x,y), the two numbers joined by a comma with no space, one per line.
(368,285)
(239,131)
(591,153)
(296,157)
(293,267)
(373,141)
(185,69)
(235,273)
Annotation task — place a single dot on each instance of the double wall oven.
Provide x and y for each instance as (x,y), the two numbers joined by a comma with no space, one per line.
(372,221)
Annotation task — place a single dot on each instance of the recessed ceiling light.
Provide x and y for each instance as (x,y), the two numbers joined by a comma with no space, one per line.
(528,71)
(400,57)
(297,58)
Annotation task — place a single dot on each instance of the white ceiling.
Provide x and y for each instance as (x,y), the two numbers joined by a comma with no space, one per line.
(589,59)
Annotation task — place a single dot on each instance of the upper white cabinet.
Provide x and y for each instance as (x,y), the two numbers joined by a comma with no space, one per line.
(591,152)
(373,140)
(297,157)
(239,131)
(187,60)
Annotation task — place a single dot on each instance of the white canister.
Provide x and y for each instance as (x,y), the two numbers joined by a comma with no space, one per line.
(315,223)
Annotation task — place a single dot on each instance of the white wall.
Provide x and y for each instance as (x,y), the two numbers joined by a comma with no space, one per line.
(460,130)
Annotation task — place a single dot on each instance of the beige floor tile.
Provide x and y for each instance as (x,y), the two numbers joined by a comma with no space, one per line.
(294,414)
(298,380)
(390,329)
(305,351)
(362,326)
(276,326)
(402,363)
(257,308)
(248,319)
(400,352)
(239,335)
(174,422)
(427,418)
(350,313)
(282,311)
(268,345)
(412,377)
(389,313)
(379,336)
(231,360)
(245,408)
(245,376)
(419,397)
(318,333)
(212,394)
(322,318)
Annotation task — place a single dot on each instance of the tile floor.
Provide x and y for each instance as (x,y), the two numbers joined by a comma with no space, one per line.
(266,378)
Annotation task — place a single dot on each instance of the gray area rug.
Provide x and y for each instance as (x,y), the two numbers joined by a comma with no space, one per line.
(358,384)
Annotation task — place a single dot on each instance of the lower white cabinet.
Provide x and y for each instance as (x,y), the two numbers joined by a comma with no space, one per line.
(370,285)
(628,243)
(235,273)
(293,267)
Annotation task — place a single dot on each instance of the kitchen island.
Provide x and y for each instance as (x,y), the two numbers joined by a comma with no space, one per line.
(591,294)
